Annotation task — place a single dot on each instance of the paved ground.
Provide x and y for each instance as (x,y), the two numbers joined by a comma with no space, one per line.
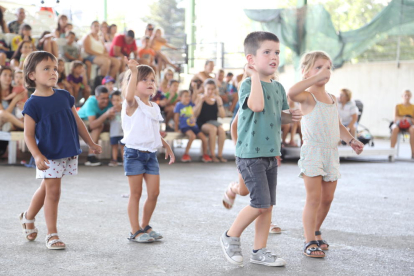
(369,226)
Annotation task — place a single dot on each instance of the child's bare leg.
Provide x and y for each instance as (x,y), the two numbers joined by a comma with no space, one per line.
(328,190)
(51,204)
(135,187)
(36,204)
(76,92)
(114,152)
(88,69)
(262,228)
(293,133)
(221,139)
(153,189)
(285,131)
(313,187)
(211,130)
(246,216)
(191,136)
(204,142)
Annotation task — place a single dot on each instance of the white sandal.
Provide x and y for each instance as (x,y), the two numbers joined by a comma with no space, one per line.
(27,232)
(50,243)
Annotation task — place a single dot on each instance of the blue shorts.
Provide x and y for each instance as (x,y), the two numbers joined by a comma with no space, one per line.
(116,140)
(139,162)
(90,58)
(195,129)
(260,177)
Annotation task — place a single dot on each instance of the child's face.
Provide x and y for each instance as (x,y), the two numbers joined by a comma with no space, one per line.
(27,32)
(68,27)
(185,98)
(63,21)
(6,77)
(169,75)
(220,76)
(27,48)
(78,70)
(18,79)
(173,88)
(45,73)
(209,89)
(266,59)
(61,66)
(110,86)
(70,39)
(146,86)
(229,78)
(209,67)
(320,64)
(116,100)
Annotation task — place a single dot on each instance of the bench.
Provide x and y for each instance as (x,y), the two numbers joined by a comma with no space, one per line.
(18,136)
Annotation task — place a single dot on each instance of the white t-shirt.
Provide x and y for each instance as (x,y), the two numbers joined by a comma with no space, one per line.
(346,111)
(142,129)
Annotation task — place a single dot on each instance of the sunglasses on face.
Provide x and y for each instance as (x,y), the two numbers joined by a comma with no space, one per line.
(150,29)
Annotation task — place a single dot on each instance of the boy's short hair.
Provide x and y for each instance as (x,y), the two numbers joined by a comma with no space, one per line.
(116,93)
(71,33)
(210,81)
(75,64)
(180,94)
(131,34)
(100,89)
(61,60)
(230,74)
(171,82)
(31,62)
(253,41)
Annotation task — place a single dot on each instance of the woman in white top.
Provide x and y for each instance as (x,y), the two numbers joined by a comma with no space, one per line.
(96,53)
(348,111)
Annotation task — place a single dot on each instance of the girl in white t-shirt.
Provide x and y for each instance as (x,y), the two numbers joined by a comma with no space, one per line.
(140,122)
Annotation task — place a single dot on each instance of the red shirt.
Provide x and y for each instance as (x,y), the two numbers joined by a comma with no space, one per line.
(126,49)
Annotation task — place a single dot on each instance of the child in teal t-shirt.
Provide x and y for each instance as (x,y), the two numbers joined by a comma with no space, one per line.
(261,101)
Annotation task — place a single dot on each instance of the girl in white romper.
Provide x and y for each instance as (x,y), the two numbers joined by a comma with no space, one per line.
(319,159)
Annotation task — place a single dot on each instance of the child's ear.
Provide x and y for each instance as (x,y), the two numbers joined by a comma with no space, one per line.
(32,76)
(250,60)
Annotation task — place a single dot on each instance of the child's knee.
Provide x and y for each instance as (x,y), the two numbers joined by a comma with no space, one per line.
(153,195)
(327,200)
(262,211)
(136,194)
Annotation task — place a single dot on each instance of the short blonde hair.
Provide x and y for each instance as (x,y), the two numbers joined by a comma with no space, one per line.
(308,60)
(347,92)
(407,91)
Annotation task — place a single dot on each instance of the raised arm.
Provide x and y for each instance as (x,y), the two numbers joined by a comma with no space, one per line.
(256,99)
(297,92)
(132,84)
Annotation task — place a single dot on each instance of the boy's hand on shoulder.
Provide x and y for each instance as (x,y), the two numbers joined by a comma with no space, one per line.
(41,161)
(97,149)
(296,114)
(132,64)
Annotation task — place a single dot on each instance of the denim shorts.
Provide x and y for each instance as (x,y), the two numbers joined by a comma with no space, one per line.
(260,176)
(89,58)
(195,129)
(116,140)
(139,162)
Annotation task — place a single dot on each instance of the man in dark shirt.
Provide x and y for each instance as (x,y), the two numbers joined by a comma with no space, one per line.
(14,26)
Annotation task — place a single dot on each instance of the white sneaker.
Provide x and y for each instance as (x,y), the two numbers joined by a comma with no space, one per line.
(265,257)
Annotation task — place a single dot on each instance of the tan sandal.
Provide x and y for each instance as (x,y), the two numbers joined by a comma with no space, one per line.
(274,229)
(227,201)
(50,243)
(27,232)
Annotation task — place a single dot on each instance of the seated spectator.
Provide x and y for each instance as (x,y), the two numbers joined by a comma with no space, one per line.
(207,115)
(172,98)
(196,88)
(70,51)
(17,60)
(208,71)
(146,54)
(95,113)
(103,34)
(68,29)
(157,42)
(25,34)
(19,88)
(168,75)
(8,121)
(115,130)
(149,31)
(112,31)
(186,123)
(62,83)
(109,82)
(14,26)
(348,111)
(97,54)
(60,31)
(229,97)
(5,52)
(78,81)
(124,45)
(160,99)
(3,24)
(403,121)
(46,43)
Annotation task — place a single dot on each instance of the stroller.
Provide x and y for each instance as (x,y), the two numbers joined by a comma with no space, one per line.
(363,134)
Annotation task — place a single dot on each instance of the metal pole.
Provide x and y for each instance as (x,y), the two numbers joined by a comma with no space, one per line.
(105,10)
(190,31)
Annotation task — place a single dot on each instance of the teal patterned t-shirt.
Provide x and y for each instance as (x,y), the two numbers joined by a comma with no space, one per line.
(259,133)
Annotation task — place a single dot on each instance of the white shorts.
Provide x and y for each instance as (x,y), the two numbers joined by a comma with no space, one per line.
(59,167)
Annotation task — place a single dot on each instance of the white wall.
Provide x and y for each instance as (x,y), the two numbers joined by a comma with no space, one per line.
(379,85)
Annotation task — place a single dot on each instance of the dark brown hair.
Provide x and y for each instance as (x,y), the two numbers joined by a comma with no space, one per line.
(59,28)
(172,81)
(25,27)
(18,53)
(31,62)
(143,72)
(75,64)
(2,69)
(253,41)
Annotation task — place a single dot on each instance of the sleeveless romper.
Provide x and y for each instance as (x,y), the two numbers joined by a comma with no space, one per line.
(319,153)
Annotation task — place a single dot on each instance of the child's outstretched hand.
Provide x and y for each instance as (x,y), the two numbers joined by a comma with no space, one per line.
(170,153)
(250,69)
(296,114)
(132,64)
(41,161)
(324,74)
(357,146)
(97,149)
